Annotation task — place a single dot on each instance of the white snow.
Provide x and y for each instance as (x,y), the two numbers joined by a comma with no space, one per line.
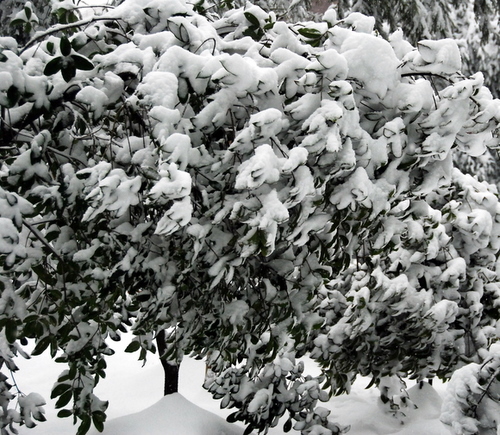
(262,168)
(172,415)
(95,99)
(359,49)
(174,184)
(438,57)
(138,408)
(116,192)
(296,157)
(177,216)
(159,89)
(360,23)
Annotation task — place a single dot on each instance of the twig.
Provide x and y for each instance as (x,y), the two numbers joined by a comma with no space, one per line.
(427,74)
(61,153)
(42,239)
(485,390)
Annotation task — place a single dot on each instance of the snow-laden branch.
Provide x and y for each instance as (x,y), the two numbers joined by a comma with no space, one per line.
(60,27)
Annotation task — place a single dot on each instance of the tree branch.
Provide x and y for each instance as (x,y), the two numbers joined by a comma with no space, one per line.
(42,239)
(61,27)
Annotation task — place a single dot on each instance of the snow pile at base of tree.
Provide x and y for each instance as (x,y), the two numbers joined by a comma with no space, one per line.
(175,415)
(172,415)
(133,392)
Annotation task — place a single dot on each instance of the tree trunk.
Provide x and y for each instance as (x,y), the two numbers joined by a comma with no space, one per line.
(171,371)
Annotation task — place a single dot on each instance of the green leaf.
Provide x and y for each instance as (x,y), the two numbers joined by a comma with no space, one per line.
(65,46)
(72,371)
(13,96)
(17,22)
(68,72)
(82,63)
(253,19)
(143,296)
(98,418)
(59,389)
(40,417)
(72,17)
(11,331)
(256,36)
(41,346)
(64,413)
(43,275)
(33,329)
(53,347)
(28,12)
(310,33)
(76,44)
(269,26)
(50,47)
(133,347)
(405,165)
(53,66)
(64,399)
(232,418)
(84,426)
(50,237)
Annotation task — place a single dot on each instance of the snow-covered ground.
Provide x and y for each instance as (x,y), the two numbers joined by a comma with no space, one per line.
(138,408)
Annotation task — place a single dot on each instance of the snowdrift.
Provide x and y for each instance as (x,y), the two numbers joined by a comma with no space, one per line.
(172,415)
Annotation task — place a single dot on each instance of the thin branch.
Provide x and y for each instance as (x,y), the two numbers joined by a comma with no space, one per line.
(95,6)
(42,239)
(427,74)
(61,27)
(485,390)
(63,154)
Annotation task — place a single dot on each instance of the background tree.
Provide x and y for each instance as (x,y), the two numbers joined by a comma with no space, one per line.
(21,19)
(257,190)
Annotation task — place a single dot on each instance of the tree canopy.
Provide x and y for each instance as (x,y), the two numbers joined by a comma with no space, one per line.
(258,190)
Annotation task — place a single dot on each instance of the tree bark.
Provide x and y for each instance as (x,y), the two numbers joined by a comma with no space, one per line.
(171,371)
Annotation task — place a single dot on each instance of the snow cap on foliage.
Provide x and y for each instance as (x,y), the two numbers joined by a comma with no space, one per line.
(437,57)
(371,60)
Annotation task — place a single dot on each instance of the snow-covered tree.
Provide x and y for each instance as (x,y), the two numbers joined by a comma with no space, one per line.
(258,191)
(473,24)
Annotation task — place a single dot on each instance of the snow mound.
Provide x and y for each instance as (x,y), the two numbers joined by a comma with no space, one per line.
(362,410)
(171,415)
